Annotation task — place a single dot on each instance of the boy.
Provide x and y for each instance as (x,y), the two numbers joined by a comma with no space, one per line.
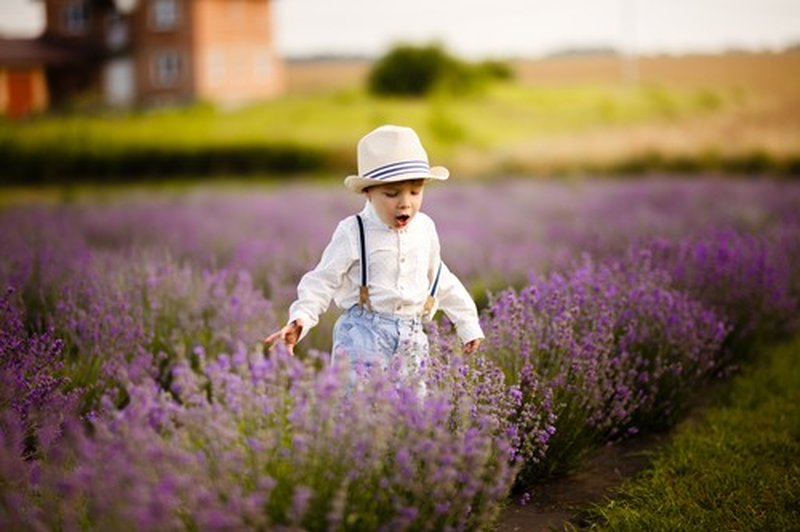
(383,265)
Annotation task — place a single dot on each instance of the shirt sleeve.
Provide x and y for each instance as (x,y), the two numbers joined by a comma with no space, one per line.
(454,299)
(317,287)
(457,303)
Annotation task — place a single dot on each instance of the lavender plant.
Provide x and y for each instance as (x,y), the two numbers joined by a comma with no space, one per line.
(129,363)
(250,441)
(35,408)
(618,347)
(749,279)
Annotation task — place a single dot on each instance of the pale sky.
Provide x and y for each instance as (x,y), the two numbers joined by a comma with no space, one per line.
(505,28)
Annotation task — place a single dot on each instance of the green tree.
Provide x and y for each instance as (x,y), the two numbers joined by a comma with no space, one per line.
(419,70)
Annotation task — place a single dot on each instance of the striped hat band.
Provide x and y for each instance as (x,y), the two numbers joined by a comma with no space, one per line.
(401,167)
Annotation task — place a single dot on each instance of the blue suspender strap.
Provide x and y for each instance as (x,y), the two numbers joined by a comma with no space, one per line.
(436,280)
(363,247)
(363,293)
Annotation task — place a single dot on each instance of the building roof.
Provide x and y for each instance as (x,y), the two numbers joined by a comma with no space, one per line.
(28,52)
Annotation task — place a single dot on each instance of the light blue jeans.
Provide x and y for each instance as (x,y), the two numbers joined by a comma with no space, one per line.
(369,340)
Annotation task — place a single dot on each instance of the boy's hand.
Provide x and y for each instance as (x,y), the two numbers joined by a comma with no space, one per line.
(290,334)
(471,346)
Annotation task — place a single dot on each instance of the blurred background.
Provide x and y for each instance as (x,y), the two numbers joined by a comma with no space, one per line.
(131,90)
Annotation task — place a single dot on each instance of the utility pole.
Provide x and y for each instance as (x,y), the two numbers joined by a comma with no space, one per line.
(630,57)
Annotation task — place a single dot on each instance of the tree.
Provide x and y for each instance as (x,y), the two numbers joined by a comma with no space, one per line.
(416,71)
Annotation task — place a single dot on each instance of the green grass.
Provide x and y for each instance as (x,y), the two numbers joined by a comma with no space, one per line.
(737,468)
(318,132)
(500,113)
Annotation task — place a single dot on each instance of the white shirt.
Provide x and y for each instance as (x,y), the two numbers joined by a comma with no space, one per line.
(402,264)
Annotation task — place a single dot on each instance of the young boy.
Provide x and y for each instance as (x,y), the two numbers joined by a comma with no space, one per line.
(383,265)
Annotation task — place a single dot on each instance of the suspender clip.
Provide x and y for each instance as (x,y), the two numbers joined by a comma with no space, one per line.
(427,310)
(363,297)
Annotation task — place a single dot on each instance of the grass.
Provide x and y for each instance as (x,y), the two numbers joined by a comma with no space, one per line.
(499,114)
(736,468)
(685,115)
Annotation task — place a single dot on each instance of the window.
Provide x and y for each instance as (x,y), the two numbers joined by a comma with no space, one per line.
(119,82)
(164,14)
(117,34)
(166,68)
(76,17)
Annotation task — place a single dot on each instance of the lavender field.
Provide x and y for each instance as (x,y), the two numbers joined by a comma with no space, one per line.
(135,394)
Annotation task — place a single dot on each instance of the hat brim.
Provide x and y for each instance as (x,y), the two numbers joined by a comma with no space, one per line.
(356,183)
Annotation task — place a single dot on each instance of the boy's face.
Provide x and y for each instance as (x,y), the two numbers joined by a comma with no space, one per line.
(397,203)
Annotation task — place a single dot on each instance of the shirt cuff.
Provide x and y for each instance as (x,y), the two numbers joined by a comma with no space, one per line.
(308,323)
(469,331)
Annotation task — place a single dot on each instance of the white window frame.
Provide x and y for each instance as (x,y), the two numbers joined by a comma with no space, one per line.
(76,17)
(119,82)
(164,15)
(166,68)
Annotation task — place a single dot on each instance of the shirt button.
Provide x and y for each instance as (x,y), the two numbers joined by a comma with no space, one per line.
(403,259)
(398,307)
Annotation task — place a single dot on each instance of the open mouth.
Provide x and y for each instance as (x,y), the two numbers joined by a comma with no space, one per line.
(402,219)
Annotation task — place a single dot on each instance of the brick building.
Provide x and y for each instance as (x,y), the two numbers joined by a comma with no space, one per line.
(143,52)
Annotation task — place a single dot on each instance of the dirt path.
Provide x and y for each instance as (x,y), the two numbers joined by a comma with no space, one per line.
(557,504)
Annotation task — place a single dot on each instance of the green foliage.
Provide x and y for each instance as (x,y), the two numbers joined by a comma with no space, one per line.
(415,71)
(149,162)
(317,133)
(421,70)
(493,69)
(736,469)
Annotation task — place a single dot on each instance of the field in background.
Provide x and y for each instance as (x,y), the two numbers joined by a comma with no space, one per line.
(750,107)
(756,74)
(733,113)
(762,124)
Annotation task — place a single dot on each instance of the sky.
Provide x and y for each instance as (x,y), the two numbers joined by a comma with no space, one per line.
(507,28)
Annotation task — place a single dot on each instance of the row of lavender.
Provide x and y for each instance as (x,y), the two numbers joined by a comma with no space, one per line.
(133,392)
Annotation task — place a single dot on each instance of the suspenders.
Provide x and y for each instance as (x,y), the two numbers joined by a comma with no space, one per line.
(363,292)
(431,299)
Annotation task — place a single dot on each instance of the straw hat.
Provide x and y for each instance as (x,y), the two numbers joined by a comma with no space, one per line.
(389,154)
